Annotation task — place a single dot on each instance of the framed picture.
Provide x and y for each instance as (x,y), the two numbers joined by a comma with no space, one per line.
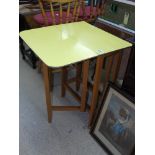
(114,127)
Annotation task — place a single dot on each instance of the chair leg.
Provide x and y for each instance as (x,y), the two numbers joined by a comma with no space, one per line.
(33,59)
(39,66)
(22,48)
(78,75)
(27,54)
(64,78)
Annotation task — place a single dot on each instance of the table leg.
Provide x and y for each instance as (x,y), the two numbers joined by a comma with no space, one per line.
(117,63)
(64,78)
(85,67)
(108,69)
(47,91)
(97,79)
(78,76)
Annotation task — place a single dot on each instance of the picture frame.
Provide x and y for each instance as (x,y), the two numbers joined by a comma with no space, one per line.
(114,125)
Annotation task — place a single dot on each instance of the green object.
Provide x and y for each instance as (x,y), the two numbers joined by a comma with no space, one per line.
(65,44)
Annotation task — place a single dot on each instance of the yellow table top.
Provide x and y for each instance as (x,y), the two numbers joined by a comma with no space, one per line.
(65,44)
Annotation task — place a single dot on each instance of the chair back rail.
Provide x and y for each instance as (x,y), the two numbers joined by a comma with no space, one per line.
(103,5)
(70,8)
(96,8)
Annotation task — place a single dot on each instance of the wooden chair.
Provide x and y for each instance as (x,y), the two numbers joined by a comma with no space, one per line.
(55,12)
(92,10)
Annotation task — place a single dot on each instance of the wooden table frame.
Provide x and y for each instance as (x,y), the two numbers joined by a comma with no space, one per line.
(65,85)
(48,90)
(78,54)
(116,60)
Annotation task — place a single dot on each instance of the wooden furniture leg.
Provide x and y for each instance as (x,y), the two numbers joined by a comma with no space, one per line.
(116,66)
(85,68)
(39,66)
(64,78)
(51,82)
(47,91)
(108,71)
(47,77)
(78,76)
(22,48)
(97,79)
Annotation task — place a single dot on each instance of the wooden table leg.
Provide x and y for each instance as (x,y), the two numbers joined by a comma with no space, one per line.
(50,74)
(64,78)
(95,92)
(116,66)
(85,68)
(78,76)
(47,91)
(108,69)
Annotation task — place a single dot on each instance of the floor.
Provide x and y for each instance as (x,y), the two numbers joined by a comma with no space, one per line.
(68,133)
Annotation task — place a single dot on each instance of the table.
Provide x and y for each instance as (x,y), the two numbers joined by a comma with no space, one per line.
(65,44)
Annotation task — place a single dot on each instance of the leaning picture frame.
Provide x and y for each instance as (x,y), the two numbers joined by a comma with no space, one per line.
(114,125)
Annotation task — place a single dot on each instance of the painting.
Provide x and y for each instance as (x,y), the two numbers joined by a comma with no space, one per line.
(114,127)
